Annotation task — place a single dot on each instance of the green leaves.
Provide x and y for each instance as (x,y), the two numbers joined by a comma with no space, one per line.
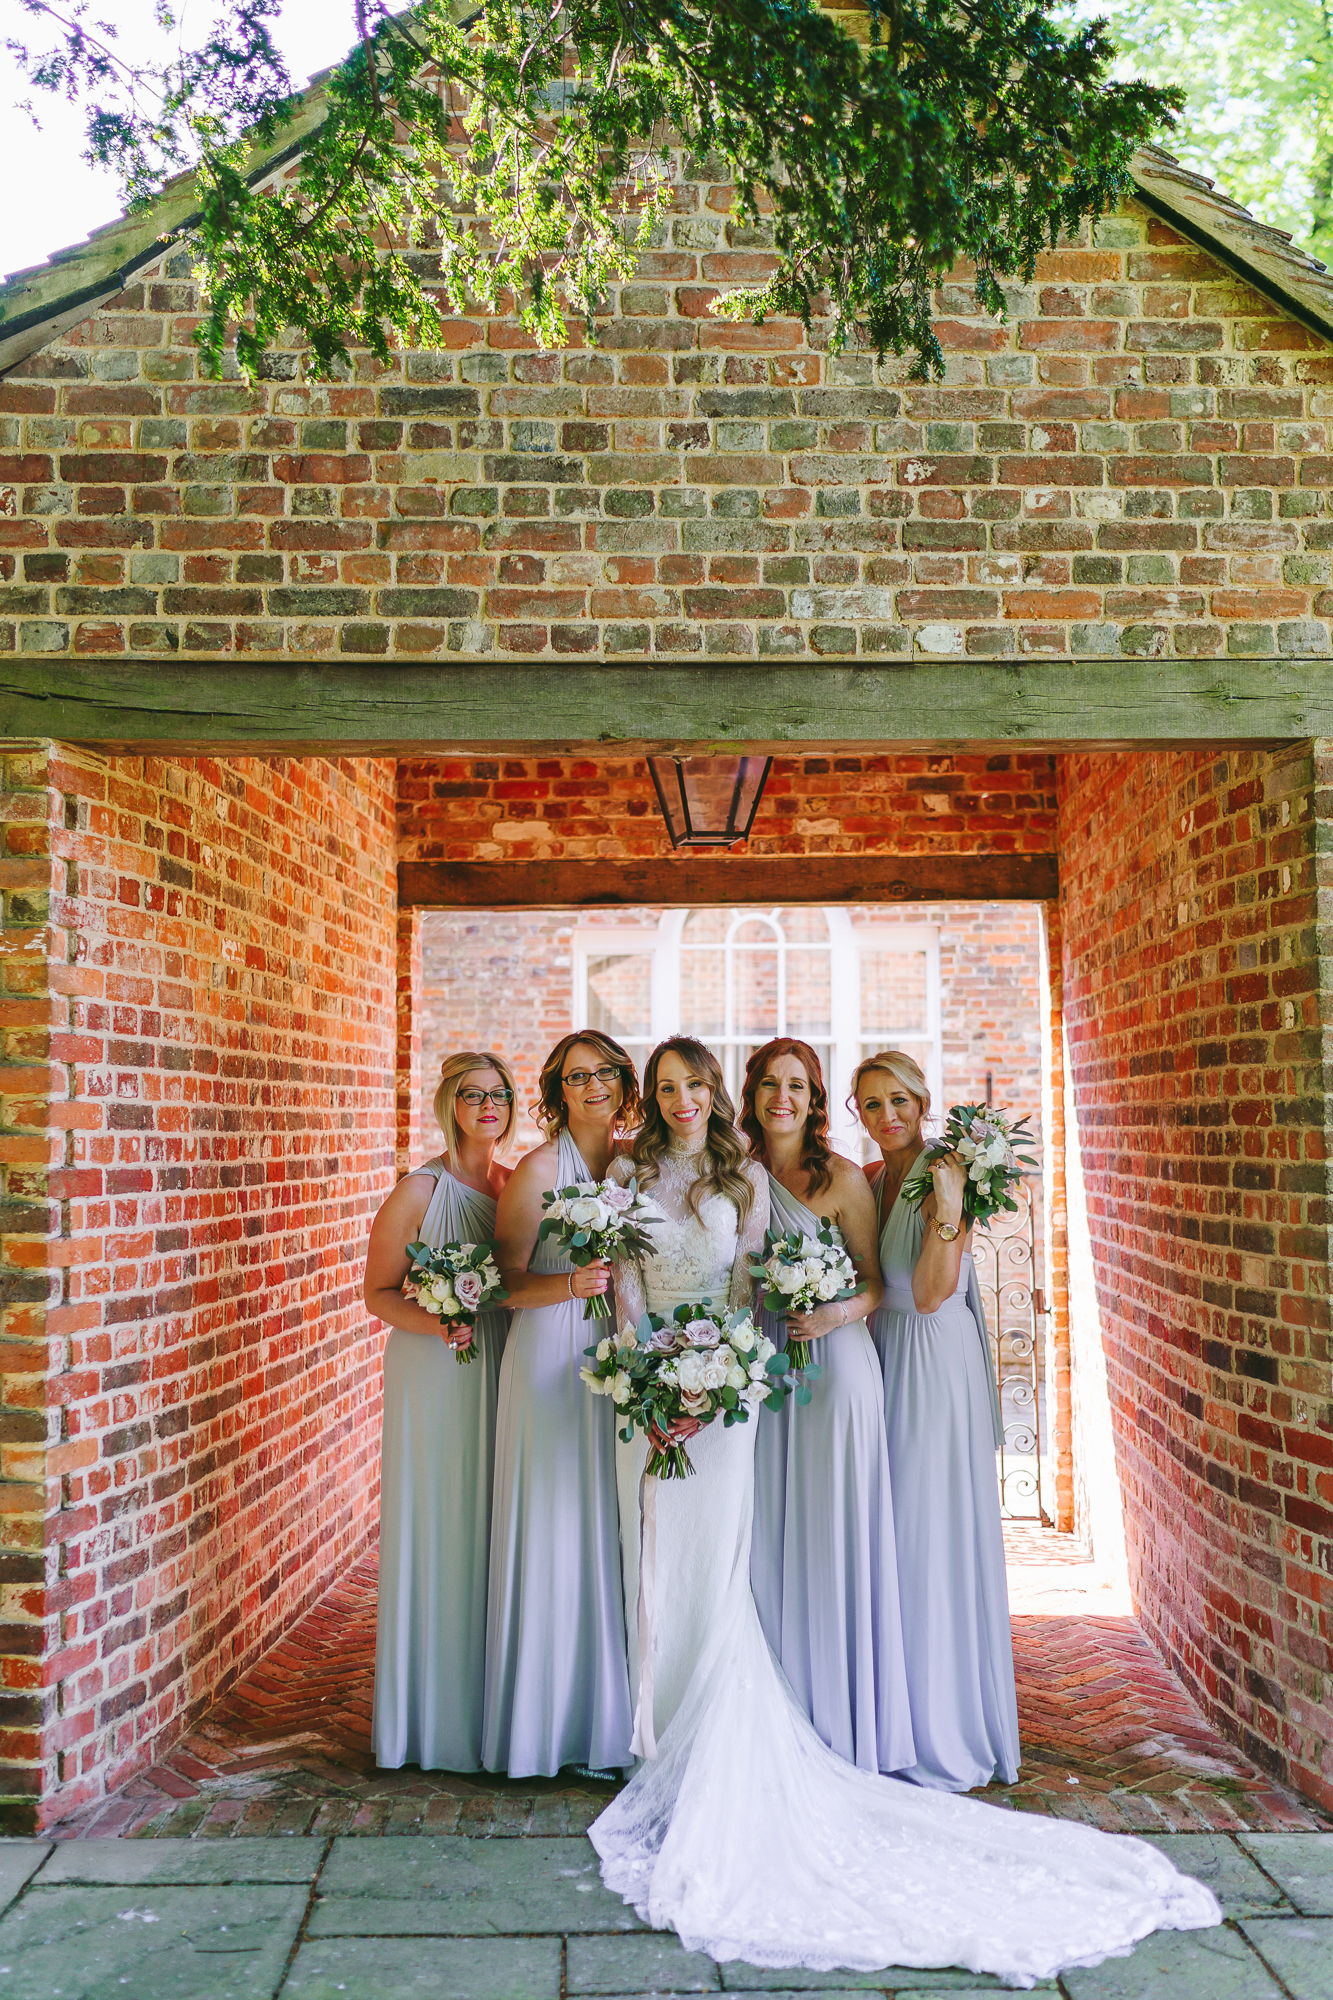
(515,156)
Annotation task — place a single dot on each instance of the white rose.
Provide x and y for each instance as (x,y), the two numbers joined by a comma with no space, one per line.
(815,1268)
(764,1348)
(829,1286)
(714,1372)
(811,1247)
(621,1387)
(757,1372)
(736,1377)
(788,1278)
(690,1372)
(604,1349)
(587,1187)
(742,1337)
(555,1211)
(584,1212)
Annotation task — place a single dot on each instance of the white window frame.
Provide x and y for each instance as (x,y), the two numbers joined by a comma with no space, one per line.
(662,943)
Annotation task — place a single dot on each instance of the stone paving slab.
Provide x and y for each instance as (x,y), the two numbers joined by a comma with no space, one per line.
(650,1963)
(1300,1953)
(141,1862)
(163,1944)
(1238,1882)
(737,1978)
(426,1969)
(1302,1864)
(1178,1965)
(456,1886)
(19,1860)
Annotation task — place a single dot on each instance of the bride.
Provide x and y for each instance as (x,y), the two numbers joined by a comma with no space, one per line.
(740,1830)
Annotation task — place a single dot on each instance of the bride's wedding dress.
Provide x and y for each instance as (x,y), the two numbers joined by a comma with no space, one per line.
(745,1834)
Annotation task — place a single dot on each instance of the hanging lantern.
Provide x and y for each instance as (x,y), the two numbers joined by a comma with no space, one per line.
(709,801)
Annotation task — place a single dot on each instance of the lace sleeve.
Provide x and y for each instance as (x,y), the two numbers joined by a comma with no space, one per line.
(750,1241)
(626,1276)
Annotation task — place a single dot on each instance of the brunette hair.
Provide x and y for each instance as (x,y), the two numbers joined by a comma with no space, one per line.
(724,1148)
(552,1113)
(452,1071)
(902,1069)
(816,1152)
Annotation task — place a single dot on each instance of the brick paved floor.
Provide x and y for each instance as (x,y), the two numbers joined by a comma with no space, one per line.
(1108,1736)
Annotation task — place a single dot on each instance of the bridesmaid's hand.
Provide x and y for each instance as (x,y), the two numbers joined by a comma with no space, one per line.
(589,1280)
(814,1325)
(950,1177)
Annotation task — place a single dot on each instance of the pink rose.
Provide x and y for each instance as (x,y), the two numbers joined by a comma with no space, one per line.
(468,1289)
(696,1403)
(617,1199)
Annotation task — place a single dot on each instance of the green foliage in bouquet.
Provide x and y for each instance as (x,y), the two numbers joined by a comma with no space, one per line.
(800,1273)
(986,1140)
(454,1282)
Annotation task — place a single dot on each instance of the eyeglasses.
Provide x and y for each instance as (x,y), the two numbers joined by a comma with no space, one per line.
(578,1077)
(476,1097)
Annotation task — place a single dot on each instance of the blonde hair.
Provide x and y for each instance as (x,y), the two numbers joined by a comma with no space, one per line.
(901,1068)
(452,1071)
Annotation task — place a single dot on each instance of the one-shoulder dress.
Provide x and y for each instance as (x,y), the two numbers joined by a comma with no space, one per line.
(557,1679)
(435,1520)
(823,1563)
(941,1418)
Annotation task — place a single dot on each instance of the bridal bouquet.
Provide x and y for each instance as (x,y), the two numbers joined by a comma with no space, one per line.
(799,1273)
(691,1368)
(986,1140)
(454,1282)
(595,1219)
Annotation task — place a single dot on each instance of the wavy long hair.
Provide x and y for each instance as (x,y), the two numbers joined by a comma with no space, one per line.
(816,1152)
(452,1071)
(551,1111)
(724,1146)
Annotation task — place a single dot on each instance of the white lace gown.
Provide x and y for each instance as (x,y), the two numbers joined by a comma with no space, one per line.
(746,1835)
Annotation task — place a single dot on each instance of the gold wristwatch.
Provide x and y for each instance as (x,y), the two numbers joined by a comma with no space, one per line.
(948,1231)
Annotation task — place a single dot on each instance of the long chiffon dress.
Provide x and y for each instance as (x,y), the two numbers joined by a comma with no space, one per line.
(557,1689)
(751,1839)
(435,1520)
(823,1564)
(942,1419)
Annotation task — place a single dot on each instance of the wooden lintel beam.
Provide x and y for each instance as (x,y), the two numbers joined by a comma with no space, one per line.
(696,879)
(189,706)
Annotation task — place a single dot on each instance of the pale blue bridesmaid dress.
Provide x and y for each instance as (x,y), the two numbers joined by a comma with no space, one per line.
(943,1424)
(823,1565)
(435,1520)
(557,1682)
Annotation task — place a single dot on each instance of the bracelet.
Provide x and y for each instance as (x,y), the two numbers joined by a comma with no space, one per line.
(571,1284)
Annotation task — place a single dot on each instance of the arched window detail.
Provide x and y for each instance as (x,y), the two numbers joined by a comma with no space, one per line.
(737,977)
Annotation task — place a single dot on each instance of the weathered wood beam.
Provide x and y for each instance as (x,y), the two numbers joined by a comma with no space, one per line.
(680,879)
(181,705)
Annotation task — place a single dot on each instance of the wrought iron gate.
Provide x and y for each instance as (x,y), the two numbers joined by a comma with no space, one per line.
(1005,1256)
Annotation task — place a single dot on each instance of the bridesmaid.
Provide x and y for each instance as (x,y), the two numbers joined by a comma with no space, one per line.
(823,1565)
(439,1437)
(943,1428)
(557,1684)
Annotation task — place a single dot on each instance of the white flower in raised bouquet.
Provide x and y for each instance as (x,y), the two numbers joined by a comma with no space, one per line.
(987,1140)
(594,1220)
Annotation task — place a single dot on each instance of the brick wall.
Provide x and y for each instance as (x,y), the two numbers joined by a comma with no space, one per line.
(581,808)
(215,1121)
(1136,463)
(1193,1014)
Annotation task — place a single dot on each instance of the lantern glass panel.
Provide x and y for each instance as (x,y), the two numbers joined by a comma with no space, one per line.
(708,801)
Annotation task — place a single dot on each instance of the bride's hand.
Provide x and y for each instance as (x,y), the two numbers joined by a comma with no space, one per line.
(679,1432)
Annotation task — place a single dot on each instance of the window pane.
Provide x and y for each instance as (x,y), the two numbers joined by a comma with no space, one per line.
(804,926)
(702,993)
(755,989)
(893,993)
(706,927)
(756,931)
(620,995)
(808,993)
